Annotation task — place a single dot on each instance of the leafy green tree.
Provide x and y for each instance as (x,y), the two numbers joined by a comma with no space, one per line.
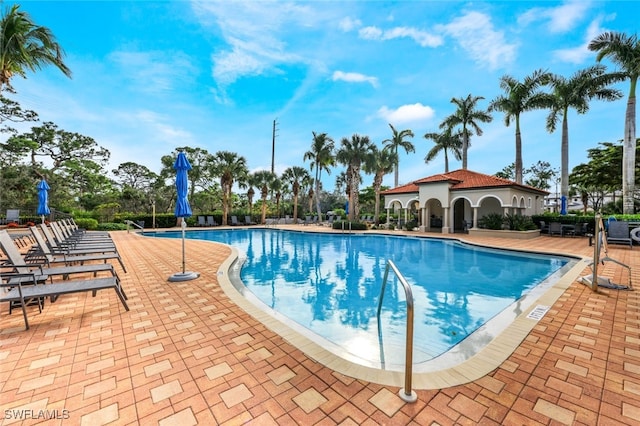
(576,92)
(398,141)
(467,116)
(136,182)
(446,141)
(352,153)
(380,163)
(519,97)
(540,174)
(624,51)
(200,176)
(294,176)
(322,158)
(230,168)
(26,46)
(508,172)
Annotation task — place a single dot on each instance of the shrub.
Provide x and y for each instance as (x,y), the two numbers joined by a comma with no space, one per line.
(491,221)
(355,226)
(86,223)
(110,226)
(519,223)
(411,225)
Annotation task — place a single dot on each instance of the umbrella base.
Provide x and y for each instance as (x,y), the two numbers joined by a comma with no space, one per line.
(184,276)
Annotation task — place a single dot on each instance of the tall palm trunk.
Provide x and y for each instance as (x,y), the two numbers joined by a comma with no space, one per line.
(446,161)
(629,152)
(395,169)
(564,160)
(354,203)
(318,210)
(377,183)
(264,193)
(518,164)
(465,147)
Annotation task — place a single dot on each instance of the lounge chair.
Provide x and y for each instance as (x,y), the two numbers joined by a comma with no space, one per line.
(13,216)
(618,233)
(16,261)
(42,250)
(18,291)
(234,221)
(211,221)
(555,228)
(248,221)
(201,221)
(544,228)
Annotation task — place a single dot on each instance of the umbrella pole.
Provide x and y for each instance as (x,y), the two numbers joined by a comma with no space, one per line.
(184,275)
(184,225)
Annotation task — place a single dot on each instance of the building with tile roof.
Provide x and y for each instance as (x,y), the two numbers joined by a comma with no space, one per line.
(452,202)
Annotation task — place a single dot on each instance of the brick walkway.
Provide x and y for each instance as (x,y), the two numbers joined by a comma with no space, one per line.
(185,354)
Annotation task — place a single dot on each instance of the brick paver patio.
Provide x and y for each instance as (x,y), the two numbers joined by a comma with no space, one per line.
(185,355)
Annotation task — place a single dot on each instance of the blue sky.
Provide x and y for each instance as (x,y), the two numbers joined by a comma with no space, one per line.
(149,77)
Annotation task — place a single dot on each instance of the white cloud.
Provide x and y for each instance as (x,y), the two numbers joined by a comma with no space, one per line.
(353,77)
(423,38)
(154,71)
(412,113)
(474,31)
(560,18)
(347,24)
(577,55)
(255,32)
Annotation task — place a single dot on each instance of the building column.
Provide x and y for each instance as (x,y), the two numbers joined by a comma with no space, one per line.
(475,217)
(446,220)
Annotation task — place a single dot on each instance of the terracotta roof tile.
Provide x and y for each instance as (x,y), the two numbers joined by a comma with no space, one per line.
(403,189)
(461,179)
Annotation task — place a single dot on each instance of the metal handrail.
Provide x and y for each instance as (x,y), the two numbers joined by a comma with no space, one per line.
(406,394)
(132,223)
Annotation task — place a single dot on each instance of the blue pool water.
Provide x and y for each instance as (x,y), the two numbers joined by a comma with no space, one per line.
(330,284)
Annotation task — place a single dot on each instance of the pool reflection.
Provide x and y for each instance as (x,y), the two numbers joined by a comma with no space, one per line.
(331,285)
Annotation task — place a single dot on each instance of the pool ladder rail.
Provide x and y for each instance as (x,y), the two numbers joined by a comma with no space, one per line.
(406,394)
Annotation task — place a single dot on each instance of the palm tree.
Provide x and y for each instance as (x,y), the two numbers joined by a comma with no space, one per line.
(322,158)
(445,142)
(294,175)
(26,46)
(381,163)
(519,97)
(398,141)
(468,117)
(576,92)
(263,180)
(624,51)
(352,154)
(230,167)
(276,188)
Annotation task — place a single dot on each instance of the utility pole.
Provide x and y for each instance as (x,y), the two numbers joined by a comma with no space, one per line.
(273,146)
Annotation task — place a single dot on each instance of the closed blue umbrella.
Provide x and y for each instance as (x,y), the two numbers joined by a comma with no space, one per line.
(183,210)
(182,167)
(43,199)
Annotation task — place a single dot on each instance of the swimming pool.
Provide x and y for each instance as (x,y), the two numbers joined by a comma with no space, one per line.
(329,284)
